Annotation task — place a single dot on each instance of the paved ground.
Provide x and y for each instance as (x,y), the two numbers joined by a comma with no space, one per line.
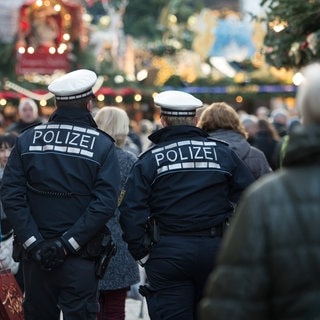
(136,310)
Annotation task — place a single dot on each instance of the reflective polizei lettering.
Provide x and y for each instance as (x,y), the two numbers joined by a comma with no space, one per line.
(185,155)
(64,138)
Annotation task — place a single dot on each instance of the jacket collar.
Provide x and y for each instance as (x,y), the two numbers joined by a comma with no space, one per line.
(73,114)
(303,146)
(176,132)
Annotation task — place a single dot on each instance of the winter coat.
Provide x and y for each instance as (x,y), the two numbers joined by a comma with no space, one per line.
(268,145)
(268,266)
(253,157)
(123,270)
(60,182)
(186,181)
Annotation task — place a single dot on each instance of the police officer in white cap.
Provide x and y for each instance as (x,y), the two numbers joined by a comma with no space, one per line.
(60,187)
(177,200)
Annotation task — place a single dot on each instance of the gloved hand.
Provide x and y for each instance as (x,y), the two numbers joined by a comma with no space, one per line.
(50,254)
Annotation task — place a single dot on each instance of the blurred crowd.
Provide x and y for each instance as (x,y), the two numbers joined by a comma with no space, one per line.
(259,139)
(266,129)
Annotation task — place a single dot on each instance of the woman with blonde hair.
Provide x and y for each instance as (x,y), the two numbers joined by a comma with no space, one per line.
(222,122)
(123,270)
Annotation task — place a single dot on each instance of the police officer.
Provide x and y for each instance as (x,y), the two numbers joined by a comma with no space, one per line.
(176,203)
(60,187)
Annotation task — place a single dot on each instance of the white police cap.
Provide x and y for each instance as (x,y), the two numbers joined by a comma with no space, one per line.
(177,103)
(73,85)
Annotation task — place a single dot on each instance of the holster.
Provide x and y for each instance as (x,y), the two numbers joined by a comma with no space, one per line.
(101,248)
(17,249)
(152,234)
(109,250)
(93,249)
(145,291)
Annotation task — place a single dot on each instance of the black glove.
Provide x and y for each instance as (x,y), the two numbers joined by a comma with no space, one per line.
(34,252)
(50,254)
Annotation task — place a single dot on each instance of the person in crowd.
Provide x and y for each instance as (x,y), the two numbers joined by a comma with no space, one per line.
(123,271)
(283,143)
(266,140)
(59,189)
(178,198)
(262,112)
(3,125)
(250,123)
(146,128)
(7,141)
(133,142)
(269,261)
(279,118)
(27,116)
(222,122)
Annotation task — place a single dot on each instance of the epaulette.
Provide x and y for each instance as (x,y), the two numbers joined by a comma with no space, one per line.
(103,132)
(31,126)
(218,140)
(147,150)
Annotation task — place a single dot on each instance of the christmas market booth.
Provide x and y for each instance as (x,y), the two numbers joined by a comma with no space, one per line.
(46,33)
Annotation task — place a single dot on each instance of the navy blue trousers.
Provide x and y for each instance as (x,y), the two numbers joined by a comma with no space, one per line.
(177,270)
(72,288)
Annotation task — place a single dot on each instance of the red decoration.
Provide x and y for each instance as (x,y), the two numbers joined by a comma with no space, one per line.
(41,62)
(10,298)
(42,28)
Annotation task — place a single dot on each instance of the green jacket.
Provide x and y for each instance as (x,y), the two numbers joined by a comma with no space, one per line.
(268,267)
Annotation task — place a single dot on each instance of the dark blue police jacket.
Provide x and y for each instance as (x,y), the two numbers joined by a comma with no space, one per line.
(62,179)
(188,181)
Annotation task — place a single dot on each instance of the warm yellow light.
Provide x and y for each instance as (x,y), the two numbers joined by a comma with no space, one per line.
(87,18)
(22,50)
(172,18)
(119,78)
(52,50)
(142,74)
(239,99)
(137,97)
(67,17)
(39,3)
(297,79)
(66,37)
(118,99)
(278,25)
(47,3)
(30,50)
(104,20)
(3,102)
(279,28)
(57,7)
(43,103)
(192,21)
(100,97)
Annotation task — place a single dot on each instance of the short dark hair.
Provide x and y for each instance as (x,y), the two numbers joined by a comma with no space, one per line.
(79,103)
(177,121)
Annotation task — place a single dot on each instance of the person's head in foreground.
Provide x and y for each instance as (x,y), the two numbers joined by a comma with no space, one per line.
(270,256)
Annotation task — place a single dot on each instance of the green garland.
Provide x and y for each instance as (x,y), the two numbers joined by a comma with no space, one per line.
(298,43)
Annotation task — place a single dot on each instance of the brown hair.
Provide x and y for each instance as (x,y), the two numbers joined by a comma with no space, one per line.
(220,115)
(266,126)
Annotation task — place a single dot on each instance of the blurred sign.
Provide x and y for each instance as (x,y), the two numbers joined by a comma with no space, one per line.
(42,63)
